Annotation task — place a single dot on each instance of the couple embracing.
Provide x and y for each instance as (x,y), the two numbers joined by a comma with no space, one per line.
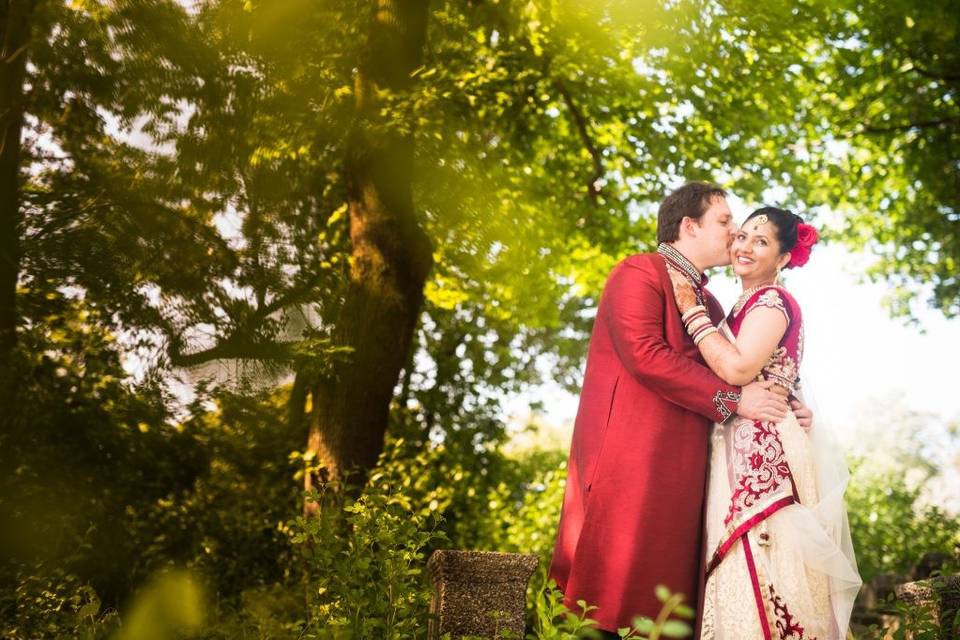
(693,462)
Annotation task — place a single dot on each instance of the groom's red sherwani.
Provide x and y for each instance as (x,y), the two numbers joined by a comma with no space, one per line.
(635,487)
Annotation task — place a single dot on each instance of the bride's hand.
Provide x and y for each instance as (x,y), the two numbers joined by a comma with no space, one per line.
(803,414)
(683,291)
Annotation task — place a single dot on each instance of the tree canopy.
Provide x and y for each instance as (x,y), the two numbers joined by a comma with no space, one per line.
(352,193)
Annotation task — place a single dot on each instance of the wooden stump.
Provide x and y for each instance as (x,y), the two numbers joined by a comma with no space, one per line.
(941,596)
(479,593)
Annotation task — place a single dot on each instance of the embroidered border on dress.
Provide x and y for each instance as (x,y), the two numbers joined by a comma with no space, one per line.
(738,530)
(760,466)
(787,625)
(721,399)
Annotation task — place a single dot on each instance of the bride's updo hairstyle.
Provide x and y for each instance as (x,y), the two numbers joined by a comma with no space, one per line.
(793,234)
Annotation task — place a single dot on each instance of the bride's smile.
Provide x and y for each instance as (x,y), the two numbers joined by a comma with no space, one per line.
(755,253)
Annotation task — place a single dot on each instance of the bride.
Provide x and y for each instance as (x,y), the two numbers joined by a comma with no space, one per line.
(779,559)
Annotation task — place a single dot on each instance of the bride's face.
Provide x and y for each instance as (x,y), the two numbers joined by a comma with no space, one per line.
(755,252)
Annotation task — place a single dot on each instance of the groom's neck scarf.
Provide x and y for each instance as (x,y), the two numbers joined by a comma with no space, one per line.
(679,261)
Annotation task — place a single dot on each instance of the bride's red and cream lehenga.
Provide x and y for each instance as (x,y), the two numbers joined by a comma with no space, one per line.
(779,559)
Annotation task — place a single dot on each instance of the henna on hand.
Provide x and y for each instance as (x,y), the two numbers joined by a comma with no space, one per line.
(683,291)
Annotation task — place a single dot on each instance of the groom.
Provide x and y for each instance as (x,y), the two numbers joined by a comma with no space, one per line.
(637,470)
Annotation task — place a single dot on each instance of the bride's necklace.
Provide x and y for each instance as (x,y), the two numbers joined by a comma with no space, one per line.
(742,300)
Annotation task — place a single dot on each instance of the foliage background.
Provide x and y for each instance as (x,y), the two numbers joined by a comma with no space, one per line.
(186,217)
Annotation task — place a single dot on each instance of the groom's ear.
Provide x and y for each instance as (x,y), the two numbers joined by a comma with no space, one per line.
(689,226)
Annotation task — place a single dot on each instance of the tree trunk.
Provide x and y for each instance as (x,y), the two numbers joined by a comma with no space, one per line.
(14,37)
(391,257)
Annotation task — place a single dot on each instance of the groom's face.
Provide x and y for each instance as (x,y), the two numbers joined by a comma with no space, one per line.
(716,232)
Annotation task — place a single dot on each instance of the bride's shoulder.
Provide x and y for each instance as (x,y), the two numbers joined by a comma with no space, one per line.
(775,297)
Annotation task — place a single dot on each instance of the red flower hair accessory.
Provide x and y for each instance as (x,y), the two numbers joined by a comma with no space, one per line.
(807,236)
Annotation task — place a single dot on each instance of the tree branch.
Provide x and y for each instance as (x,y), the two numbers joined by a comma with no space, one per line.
(233,348)
(926,124)
(239,345)
(293,296)
(913,56)
(593,188)
(932,75)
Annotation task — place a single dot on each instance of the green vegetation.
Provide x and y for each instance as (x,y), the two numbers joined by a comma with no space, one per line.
(353,229)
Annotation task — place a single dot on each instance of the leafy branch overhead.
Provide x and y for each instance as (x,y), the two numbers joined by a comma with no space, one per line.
(516,108)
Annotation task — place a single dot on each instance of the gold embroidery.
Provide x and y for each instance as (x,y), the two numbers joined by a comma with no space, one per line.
(782,369)
(742,300)
(800,343)
(770,299)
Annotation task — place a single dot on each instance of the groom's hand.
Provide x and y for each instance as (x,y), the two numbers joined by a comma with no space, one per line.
(758,401)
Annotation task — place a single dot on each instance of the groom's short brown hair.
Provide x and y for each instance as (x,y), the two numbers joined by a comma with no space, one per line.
(689,201)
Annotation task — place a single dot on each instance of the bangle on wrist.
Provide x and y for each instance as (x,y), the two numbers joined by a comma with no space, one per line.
(703,334)
(698,323)
(698,335)
(696,319)
(701,329)
(686,315)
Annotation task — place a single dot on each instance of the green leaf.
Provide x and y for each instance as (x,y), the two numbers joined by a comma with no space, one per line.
(676,629)
(643,625)
(663,593)
(684,611)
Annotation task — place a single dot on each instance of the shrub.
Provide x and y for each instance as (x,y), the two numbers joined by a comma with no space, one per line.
(890,530)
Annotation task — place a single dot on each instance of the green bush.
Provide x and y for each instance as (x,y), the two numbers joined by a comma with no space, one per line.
(217,494)
(891,531)
(52,604)
(365,561)
(85,456)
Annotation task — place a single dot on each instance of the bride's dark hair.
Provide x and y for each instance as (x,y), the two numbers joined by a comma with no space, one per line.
(786,223)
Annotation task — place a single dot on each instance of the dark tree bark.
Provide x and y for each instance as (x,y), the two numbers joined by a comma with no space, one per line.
(14,37)
(391,256)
